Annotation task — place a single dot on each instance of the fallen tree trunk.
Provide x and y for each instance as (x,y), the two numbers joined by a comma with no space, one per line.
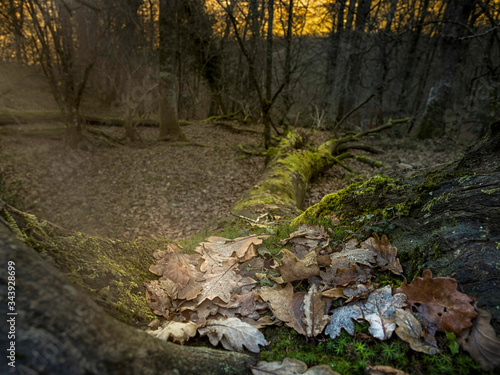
(60,330)
(291,166)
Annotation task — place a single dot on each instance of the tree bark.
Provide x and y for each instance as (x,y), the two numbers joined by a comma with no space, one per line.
(169,124)
(447,220)
(432,123)
(60,330)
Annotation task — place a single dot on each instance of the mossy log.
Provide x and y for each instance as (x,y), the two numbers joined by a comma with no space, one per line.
(60,330)
(447,220)
(291,166)
(113,271)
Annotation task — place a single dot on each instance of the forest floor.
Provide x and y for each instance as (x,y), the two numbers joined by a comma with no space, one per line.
(166,189)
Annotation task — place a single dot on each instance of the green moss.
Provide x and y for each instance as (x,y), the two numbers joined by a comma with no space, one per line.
(416,259)
(351,355)
(114,271)
(490,191)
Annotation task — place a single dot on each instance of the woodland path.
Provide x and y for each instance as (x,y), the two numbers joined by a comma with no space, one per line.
(161,189)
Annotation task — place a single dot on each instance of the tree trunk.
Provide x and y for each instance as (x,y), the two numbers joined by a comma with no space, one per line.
(432,123)
(60,330)
(169,124)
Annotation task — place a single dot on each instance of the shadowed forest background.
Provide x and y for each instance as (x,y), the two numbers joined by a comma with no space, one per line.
(162,120)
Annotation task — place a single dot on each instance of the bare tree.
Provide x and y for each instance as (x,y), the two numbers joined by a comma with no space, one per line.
(66,36)
(169,123)
(456,16)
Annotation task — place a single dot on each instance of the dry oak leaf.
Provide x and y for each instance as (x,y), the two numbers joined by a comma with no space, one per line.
(221,283)
(438,302)
(285,305)
(353,254)
(158,299)
(481,341)
(385,254)
(290,366)
(314,318)
(233,334)
(179,268)
(293,268)
(176,332)
(410,330)
(384,370)
(243,248)
(307,238)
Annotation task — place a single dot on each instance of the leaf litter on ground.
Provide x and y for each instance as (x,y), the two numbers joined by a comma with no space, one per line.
(217,290)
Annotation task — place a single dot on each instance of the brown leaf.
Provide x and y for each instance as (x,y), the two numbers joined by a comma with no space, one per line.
(293,268)
(334,293)
(180,269)
(314,318)
(410,330)
(305,239)
(158,299)
(481,341)
(290,366)
(220,283)
(285,305)
(384,370)
(243,248)
(233,334)
(176,332)
(438,302)
(386,255)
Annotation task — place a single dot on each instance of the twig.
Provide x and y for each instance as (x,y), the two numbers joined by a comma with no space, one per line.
(353,110)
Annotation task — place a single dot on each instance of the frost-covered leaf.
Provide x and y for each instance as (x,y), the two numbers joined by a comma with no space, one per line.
(176,332)
(379,310)
(354,254)
(481,341)
(233,334)
(410,330)
(438,302)
(293,268)
(385,254)
(220,283)
(314,318)
(285,305)
(290,366)
(342,317)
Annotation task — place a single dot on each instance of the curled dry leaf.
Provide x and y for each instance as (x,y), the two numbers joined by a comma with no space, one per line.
(481,341)
(410,330)
(385,254)
(290,366)
(305,239)
(384,370)
(242,248)
(293,268)
(176,332)
(285,305)
(314,318)
(233,334)
(438,302)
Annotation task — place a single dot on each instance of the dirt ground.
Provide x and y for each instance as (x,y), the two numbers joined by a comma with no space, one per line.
(162,189)
(153,189)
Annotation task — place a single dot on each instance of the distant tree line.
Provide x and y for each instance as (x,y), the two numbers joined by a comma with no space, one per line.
(327,64)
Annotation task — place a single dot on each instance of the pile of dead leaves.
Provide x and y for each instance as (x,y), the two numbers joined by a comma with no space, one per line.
(229,290)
